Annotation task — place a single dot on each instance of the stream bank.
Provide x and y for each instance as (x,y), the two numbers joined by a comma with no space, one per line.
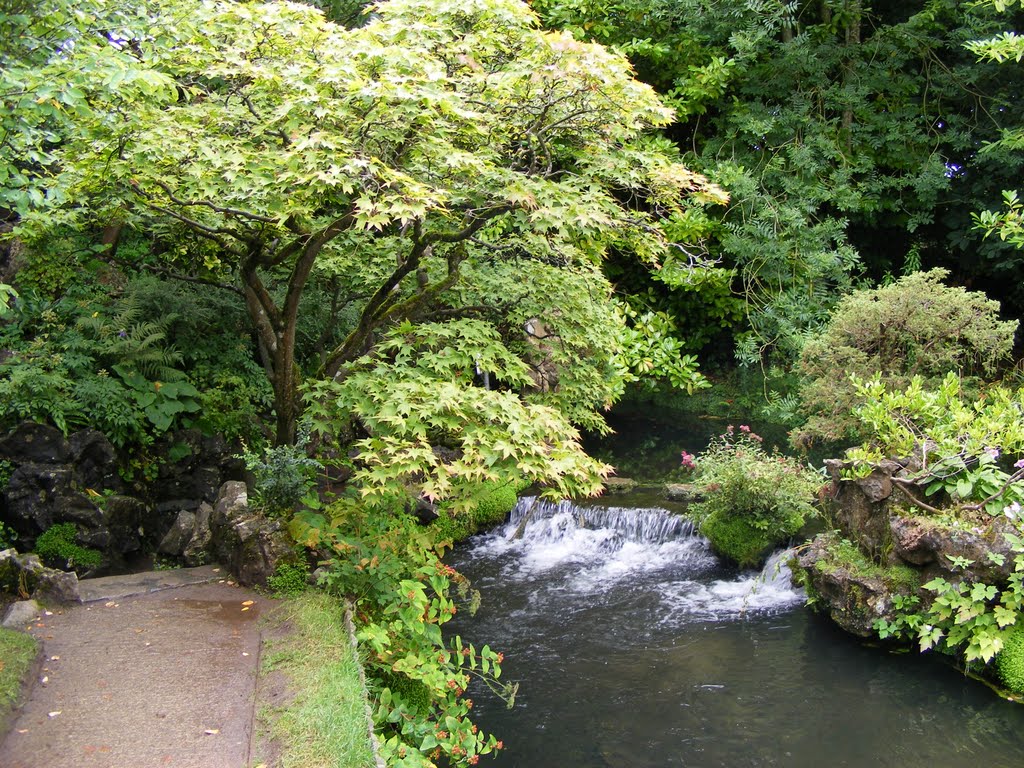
(635,646)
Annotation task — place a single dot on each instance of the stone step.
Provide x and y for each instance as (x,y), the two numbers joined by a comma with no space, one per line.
(126,585)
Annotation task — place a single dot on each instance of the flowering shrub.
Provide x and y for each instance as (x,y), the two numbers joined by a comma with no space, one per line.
(754,500)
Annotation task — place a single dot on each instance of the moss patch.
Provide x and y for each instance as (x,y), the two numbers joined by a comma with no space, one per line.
(57,548)
(843,554)
(1010,660)
(496,501)
(737,539)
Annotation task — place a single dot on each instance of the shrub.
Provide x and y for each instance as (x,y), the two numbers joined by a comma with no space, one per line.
(1010,660)
(289,579)
(56,546)
(754,500)
(916,326)
(390,567)
(284,475)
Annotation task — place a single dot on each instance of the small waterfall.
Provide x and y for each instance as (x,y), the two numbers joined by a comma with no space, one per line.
(547,520)
(766,591)
(589,550)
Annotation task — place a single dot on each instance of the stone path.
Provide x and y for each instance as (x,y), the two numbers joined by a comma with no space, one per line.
(152,670)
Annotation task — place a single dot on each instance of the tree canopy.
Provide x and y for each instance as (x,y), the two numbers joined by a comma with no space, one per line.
(450,171)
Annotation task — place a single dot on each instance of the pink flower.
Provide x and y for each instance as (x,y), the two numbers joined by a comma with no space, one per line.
(1019,464)
(744,428)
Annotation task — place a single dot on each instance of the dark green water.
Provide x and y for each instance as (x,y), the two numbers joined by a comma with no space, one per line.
(636,648)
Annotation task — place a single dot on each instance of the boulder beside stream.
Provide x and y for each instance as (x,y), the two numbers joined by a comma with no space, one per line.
(886,544)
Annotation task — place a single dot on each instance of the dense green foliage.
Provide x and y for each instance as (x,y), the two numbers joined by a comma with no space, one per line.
(969,456)
(970,452)
(754,500)
(390,568)
(134,364)
(477,166)
(57,547)
(283,476)
(916,326)
(847,134)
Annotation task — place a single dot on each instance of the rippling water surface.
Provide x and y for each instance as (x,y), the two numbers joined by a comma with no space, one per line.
(636,647)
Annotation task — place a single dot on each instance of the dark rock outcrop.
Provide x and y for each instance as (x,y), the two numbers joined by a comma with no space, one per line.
(78,479)
(248,543)
(884,520)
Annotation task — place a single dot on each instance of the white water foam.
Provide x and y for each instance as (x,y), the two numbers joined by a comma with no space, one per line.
(595,548)
(769,591)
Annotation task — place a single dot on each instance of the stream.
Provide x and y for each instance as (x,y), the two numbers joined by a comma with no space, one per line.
(635,647)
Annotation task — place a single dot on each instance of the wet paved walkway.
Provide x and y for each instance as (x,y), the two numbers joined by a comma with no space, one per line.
(154,670)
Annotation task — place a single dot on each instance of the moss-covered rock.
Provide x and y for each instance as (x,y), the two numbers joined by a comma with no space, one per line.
(853,589)
(736,539)
(1010,660)
(494,504)
(57,546)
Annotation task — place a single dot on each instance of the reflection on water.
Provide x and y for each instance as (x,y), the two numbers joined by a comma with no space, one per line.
(635,647)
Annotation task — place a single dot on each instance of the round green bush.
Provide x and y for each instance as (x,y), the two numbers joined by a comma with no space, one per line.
(1010,660)
(916,326)
(753,500)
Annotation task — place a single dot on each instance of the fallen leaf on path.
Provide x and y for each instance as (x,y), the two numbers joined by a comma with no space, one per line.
(55,658)
(23,730)
(244,653)
(54,713)
(212,731)
(246,608)
(249,602)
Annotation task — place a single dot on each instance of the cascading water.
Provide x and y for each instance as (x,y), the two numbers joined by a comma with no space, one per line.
(635,646)
(624,551)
